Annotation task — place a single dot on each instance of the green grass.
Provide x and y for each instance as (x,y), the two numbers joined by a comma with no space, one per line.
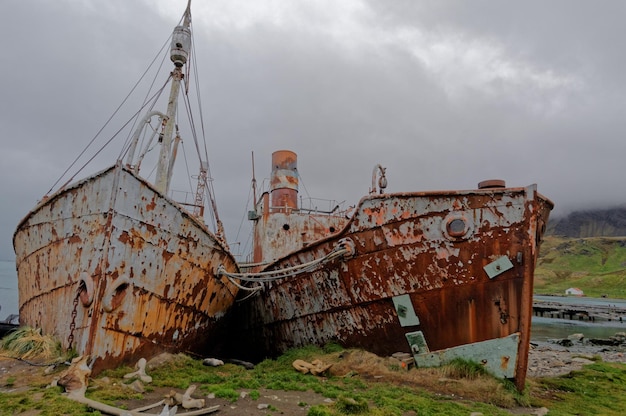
(595,265)
(597,389)
(48,401)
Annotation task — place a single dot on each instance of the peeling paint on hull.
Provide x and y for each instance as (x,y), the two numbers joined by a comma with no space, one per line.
(118,271)
(430,248)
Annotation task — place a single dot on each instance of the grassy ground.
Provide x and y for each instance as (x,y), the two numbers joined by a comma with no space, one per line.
(595,265)
(358,383)
(595,390)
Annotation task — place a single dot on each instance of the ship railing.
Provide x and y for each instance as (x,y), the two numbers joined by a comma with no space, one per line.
(322,206)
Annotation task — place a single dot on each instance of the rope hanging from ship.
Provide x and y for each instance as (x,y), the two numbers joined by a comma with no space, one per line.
(345,248)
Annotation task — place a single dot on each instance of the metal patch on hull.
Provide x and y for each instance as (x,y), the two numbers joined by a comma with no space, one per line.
(405,311)
(498,266)
(417,342)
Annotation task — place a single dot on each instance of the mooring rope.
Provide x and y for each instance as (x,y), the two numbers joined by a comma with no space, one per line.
(344,248)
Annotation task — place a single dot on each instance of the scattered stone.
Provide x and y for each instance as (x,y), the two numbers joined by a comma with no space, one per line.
(245,364)
(551,358)
(212,362)
(136,386)
(159,360)
(565,342)
(262,406)
(604,341)
(576,337)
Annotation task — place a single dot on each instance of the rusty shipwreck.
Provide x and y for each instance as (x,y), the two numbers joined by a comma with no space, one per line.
(437,275)
(111,264)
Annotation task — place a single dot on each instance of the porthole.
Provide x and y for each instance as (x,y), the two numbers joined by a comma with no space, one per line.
(457,226)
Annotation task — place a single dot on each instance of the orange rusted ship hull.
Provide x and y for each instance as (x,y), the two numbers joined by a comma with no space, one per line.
(437,275)
(117,271)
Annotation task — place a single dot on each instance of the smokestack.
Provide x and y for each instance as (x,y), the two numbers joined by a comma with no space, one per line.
(284,180)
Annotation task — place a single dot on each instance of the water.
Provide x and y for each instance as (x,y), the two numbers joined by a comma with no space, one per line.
(548,328)
(544,329)
(8,289)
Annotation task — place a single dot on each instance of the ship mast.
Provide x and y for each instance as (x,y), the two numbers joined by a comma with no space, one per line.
(181,44)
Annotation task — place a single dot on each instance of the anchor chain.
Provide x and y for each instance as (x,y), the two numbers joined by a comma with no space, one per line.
(70,338)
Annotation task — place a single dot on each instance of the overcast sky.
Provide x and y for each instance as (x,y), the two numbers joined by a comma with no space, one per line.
(444,94)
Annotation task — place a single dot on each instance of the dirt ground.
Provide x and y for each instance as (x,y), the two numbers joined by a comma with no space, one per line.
(544,360)
(287,403)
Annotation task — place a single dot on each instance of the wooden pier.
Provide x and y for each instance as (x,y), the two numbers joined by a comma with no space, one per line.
(581,312)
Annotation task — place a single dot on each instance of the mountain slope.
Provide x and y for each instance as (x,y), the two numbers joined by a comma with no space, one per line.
(609,222)
(597,265)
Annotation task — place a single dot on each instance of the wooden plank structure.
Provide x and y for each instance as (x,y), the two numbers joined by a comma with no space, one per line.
(582,312)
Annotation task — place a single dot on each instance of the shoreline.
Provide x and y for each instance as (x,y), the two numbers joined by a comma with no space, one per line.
(549,359)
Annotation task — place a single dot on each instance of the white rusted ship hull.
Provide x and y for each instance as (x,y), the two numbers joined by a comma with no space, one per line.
(117,271)
(433,274)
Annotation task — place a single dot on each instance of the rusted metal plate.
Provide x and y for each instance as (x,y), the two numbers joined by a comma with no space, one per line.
(405,311)
(431,246)
(498,266)
(498,356)
(118,271)
(417,342)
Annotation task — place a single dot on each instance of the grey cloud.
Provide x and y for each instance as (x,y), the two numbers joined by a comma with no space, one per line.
(342,104)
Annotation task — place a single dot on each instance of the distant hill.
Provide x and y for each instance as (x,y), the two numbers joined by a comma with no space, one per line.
(597,265)
(590,223)
(585,250)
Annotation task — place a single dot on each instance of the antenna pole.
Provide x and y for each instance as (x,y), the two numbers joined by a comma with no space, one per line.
(253,183)
(179,53)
